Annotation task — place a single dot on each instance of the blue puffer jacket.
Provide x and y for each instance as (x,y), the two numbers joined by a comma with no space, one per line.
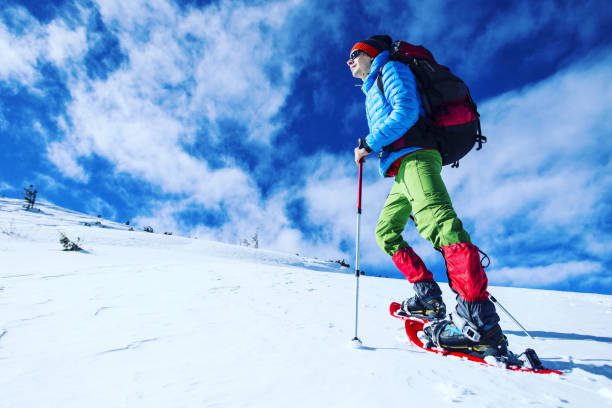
(389,117)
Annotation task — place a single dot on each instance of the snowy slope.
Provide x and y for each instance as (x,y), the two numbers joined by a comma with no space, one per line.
(148,320)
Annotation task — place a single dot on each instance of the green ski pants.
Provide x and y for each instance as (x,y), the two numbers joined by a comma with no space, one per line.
(419,190)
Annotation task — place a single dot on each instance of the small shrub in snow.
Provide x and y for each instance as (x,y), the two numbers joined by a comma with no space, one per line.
(68,244)
(147,229)
(10,230)
(342,263)
(167,233)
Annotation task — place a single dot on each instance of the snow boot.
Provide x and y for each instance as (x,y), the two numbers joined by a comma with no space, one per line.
(428,309)
(445,334)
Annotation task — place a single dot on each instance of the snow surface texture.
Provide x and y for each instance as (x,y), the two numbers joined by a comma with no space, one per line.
(149,320)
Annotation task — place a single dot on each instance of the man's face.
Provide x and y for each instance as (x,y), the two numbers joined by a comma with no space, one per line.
(360,64)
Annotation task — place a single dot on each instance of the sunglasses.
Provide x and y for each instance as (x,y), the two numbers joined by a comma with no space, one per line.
(357,53)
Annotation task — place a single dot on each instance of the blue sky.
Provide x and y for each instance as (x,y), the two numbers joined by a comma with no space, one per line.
(219,119)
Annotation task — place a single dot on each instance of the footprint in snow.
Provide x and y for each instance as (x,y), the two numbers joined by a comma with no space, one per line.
(453,392)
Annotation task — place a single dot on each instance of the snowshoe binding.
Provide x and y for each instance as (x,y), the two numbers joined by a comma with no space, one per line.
(447,335)
(429,309)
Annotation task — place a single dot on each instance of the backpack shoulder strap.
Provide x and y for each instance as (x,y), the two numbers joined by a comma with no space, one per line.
(379,81)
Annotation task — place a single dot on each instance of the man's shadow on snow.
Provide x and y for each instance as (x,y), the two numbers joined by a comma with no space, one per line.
(604,370)
(566,366)
(561,336)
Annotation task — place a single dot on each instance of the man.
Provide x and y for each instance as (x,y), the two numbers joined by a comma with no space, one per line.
(419,190)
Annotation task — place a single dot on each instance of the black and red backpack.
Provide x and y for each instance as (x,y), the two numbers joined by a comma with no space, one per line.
(451,123)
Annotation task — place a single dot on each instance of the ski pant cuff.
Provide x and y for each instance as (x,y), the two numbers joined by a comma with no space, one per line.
(481,314)
(427,289)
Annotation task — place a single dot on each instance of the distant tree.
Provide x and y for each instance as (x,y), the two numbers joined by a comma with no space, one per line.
(127,222)
(68,244)
(254,241)
(30,197)
(147,229)
(28,193)
(93,224)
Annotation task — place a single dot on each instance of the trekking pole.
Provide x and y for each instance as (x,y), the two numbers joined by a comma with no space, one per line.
(356,342)
(508,313)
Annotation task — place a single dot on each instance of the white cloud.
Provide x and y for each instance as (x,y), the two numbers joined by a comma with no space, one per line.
(230,62)
(230,58)
(18,56)
(236,222)
(54,42)
(466,36)
(189,71)
(64,44)
(535,276)
(99,206)
(60,155)
(47,184)
(163,218)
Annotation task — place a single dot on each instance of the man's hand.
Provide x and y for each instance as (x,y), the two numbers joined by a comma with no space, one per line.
(360,154)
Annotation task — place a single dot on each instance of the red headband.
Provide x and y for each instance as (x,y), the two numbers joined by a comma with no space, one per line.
(368,49)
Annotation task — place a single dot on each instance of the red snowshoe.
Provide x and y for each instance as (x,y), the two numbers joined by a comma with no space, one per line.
(528,361)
